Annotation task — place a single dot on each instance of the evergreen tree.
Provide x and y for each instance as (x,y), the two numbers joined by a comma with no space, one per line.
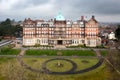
(7,29)
(117,32)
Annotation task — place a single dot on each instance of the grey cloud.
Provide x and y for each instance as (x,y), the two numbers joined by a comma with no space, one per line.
(111,7)
(37,2)
(28,3)
(71,8)
(96,6)
(84,6)
(101,6)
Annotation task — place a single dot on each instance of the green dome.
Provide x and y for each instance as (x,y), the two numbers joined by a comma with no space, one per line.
(60,17)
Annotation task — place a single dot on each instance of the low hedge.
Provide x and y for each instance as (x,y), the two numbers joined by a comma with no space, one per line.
(61,52)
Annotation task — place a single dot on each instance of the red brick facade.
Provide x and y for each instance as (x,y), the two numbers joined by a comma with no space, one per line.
(60,32)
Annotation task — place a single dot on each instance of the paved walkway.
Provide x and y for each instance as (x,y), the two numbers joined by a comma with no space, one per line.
(97,53)
(22,52)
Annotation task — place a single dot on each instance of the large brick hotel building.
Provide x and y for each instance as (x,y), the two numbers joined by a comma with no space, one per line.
(61,32)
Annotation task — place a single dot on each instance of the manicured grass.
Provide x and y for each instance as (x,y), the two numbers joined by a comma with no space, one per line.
(52,66)
(7,50)
(10,52)
(11,70)
(61,52)
(104,52)
(37,63)
(81,65)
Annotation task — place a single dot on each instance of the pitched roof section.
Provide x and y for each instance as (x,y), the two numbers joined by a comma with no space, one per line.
(93,19)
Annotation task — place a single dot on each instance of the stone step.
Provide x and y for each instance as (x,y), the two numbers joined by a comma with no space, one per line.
(59,47)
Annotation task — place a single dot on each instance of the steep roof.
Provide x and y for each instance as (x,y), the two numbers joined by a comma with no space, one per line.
(93,19)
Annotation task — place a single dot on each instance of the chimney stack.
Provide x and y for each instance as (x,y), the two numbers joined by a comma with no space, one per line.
(93,17)
(82,18)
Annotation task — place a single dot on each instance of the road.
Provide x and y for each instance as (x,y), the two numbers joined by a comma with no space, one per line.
(4,42)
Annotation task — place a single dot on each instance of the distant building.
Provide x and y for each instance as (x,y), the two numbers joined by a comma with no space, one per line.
(61,32)
(111,36)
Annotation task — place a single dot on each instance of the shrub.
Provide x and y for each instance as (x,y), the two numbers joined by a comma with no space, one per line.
(100,47)
(37,45)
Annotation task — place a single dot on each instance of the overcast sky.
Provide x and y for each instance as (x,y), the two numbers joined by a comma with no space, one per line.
(104,10)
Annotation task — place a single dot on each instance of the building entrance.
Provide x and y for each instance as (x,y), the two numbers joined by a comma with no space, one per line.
(59,42)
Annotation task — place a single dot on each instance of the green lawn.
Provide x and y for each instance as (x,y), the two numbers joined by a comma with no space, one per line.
(6,50)
(37,62)
(10,52)
(104,52)
(61,52)
(10,69)
(52,66)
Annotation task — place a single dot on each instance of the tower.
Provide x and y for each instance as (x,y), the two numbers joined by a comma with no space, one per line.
(60,29)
